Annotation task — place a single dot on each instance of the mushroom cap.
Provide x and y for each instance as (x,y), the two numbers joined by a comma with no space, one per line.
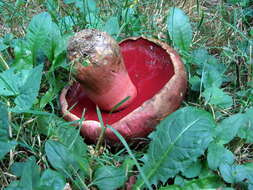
(97,64)
(142,120)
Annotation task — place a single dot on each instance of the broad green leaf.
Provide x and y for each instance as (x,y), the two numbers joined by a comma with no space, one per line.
(71,137)
(227,129)
(210,182)
(246,130)
(59,156)
(249,169)
(48,96)
(193,170)
(216,96)
(6,146)
(5,143)
(46,124)
(30,179)
(29,91)
(51,125)
(23,84)
(109,177)
(23,55)
(37,33)
(233,173)
(52,180)
(211,77)
(44,38)
(205,170)
(64,159)
(200,56)
(14,186)
(4,122)
(195,82)
(177,143)
(179,180)
(56,44)
(211,72)
(9,83)
(54,83)
(7,40)
(112,26)
(218,154)
(18,167)
(3,46)
(29,173)
(179,28)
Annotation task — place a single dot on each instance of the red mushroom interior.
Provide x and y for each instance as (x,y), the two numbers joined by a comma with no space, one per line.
(149,67)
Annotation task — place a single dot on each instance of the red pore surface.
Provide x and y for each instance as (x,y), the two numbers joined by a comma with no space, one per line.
(149,67)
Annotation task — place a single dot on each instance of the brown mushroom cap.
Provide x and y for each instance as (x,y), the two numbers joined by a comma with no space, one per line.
(144,116)
(99,67)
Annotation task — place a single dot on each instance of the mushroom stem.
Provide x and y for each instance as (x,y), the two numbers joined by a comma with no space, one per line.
(100,69)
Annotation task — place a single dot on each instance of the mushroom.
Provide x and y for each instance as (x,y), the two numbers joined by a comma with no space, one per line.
(141,80)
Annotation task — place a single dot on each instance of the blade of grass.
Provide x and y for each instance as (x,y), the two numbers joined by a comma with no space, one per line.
(119,104)
(4,63)
(198,9)
(201,20)
(102,134)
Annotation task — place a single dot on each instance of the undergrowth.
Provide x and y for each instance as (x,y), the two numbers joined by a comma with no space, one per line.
(207,143)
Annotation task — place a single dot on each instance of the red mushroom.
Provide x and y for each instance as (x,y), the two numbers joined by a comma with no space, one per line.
(147,73)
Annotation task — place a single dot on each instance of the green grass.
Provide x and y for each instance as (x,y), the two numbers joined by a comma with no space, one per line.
(223,29)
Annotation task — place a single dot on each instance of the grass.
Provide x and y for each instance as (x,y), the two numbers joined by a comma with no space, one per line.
(223,28)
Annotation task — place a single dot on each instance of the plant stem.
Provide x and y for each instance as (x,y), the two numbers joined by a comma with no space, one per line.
(4,63)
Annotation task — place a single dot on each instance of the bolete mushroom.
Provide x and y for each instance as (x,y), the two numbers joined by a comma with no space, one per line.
(145,75)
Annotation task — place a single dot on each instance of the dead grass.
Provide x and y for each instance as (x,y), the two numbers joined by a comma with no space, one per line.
(14,16)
